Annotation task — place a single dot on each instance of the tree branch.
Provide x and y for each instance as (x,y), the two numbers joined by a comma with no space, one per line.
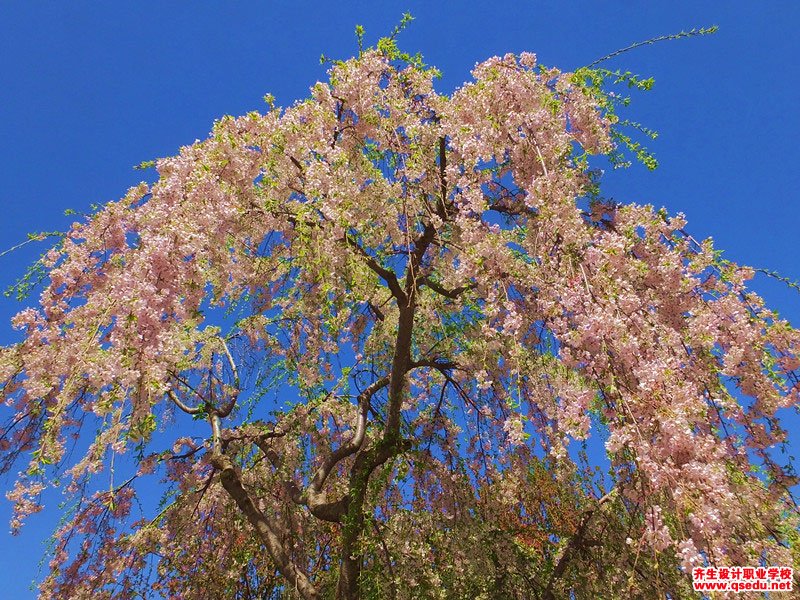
(439,365)
(389,445)
(316,502)
(355,442)
(575,545)
(452,294)
(192,410)
(266,529)
(386,274)
(224,412)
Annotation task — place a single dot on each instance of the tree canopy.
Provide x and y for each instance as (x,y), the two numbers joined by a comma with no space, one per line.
(360,345)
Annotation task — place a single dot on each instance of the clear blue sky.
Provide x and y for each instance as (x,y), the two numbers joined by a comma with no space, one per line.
(89,89)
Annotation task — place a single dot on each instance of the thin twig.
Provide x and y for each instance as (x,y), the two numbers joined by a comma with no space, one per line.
(33,237)
(661,38)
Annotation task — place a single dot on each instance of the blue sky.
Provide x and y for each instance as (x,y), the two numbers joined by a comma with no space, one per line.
(89,89)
